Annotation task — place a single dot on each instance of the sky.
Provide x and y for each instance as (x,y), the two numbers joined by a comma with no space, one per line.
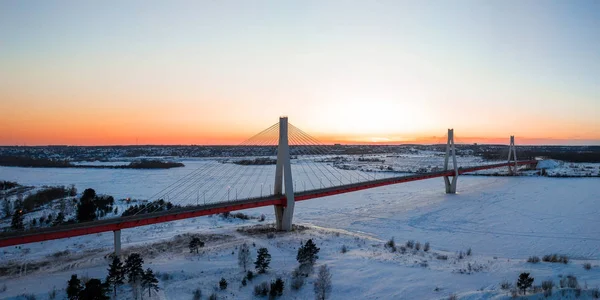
(217,72)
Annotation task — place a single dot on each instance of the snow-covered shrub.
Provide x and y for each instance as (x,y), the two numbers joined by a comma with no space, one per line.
(277,287)
(505,285)
(569,282)
(426,247)
(533,259)
(595,293)
(555,258)
(344,249)
(213,296)
(390,245)
(250,275)
(402,249)
(52,294)
(410,244)
(322,284)
(547,285)
(197,294)
(223,284)
(241,216)
(514,293)
(417,246)
(587,266)
(262,289)
(452,297)
(469,252)
(442,257)
(297,283)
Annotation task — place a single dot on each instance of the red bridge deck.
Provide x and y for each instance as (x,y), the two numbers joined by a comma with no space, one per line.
(72,230)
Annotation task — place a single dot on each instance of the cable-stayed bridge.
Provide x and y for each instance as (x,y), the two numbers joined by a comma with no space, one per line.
(287,165)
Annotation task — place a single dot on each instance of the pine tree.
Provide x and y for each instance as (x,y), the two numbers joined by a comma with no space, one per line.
(86,209)
(73,288)
(60,218)
(277,287)
(307,254)
(116,274)
(244,259)
(322,284)
(195,244)
(263,259)
(223,284)
(6,207)
(94,290)
(524,282)
(17,220)
(149,281)
(133,267)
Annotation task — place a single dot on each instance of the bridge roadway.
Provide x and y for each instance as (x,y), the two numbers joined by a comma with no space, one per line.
(118,223)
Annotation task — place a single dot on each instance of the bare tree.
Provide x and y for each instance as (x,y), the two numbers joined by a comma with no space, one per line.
(323,283)
(244,259)
(6,207)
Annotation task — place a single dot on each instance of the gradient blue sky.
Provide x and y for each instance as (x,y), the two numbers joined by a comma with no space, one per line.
(111,72)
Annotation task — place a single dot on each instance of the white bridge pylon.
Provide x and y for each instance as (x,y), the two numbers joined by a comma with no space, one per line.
(450,151)
(512,151)
(283,175)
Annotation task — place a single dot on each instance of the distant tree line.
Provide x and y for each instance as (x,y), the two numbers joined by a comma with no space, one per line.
(154,206)
(557,153)
(256,161)
(26,161)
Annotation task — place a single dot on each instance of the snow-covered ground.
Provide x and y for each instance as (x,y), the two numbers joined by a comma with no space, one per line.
(504,220)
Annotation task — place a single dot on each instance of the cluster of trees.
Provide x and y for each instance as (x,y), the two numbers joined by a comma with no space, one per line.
(91,206)
(307,256)
(21,206)
(93,289)
(256,161)
(132,270)
(47,195)
(7,185)
(153,164)
(154,206)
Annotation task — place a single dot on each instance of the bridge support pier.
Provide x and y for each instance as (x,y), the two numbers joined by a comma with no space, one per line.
(283,176)
(450,151)
(512,151)
(117,236)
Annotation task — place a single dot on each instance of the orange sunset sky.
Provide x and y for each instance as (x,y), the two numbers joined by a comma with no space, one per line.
(217,72)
